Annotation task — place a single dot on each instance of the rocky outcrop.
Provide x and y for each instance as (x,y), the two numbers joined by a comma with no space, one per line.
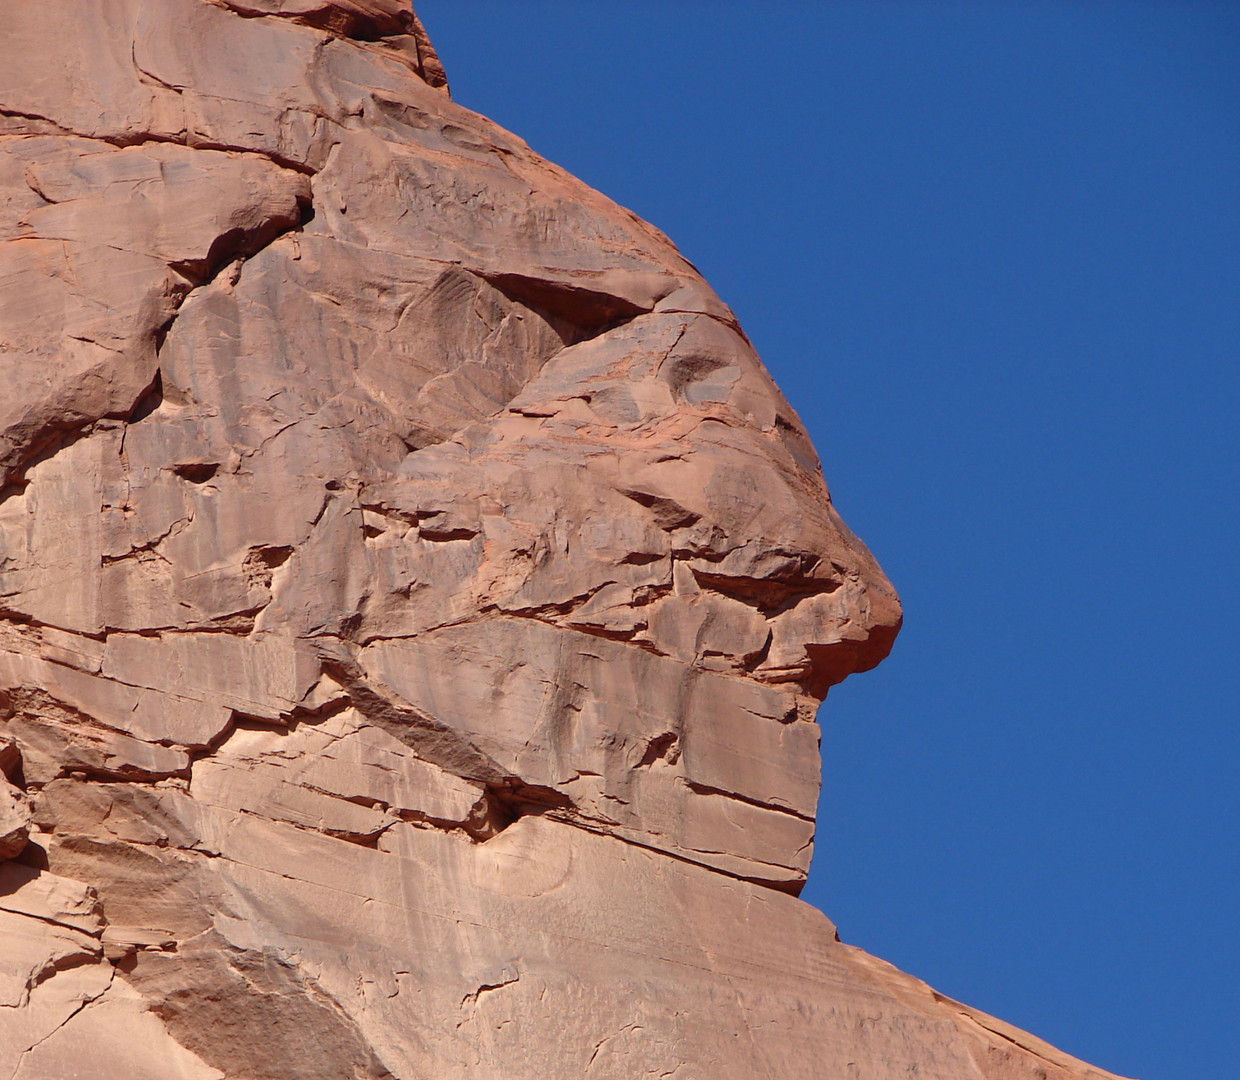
(415,595)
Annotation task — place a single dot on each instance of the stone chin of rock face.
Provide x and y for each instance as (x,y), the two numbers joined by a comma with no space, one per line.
(414,595)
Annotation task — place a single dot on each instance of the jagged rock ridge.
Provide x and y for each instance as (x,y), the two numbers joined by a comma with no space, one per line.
(414,595)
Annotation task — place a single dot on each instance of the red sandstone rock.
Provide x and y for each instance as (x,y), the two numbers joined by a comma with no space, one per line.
(414,595)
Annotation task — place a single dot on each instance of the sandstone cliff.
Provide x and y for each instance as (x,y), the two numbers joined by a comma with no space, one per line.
(414,596)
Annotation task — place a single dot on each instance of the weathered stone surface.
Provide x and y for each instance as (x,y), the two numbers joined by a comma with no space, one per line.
(14,820)
(414,595)
(14,805)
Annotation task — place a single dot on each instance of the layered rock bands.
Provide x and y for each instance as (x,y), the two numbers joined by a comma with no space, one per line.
(415,596)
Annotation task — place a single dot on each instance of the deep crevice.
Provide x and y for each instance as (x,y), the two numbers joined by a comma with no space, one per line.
(707,789)
(196,472)
(769,596)
(349,22)
(432,740)
(590,312)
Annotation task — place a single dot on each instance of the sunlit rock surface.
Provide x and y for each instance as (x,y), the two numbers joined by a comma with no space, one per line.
(414,596)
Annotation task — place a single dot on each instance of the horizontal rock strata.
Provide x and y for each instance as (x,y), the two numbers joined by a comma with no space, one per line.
(415,596)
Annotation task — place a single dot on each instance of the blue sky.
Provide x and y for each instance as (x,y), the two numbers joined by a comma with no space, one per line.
(991,252)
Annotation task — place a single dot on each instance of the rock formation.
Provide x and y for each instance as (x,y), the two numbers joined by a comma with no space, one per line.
(415,596)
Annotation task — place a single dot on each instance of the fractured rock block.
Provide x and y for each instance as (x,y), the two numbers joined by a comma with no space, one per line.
(15,814)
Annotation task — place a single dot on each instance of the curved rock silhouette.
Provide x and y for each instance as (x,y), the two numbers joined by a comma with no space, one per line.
(415,595)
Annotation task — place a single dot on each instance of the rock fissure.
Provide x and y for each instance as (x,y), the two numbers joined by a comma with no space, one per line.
(25,1053)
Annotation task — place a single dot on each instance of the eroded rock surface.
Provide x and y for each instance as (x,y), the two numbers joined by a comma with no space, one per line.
(414,596)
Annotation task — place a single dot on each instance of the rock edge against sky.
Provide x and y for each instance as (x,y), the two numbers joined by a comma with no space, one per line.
(415,596)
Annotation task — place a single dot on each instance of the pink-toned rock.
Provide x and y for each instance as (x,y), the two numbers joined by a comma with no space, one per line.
(415,596)
(15,807)
(14,820)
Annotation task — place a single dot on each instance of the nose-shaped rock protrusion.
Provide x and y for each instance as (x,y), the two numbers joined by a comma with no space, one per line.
(828,636)
(845,622)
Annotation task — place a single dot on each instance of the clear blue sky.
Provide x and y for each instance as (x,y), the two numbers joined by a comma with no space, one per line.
(991,251)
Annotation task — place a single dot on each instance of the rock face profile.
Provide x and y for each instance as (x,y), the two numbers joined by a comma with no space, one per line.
(415,596)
